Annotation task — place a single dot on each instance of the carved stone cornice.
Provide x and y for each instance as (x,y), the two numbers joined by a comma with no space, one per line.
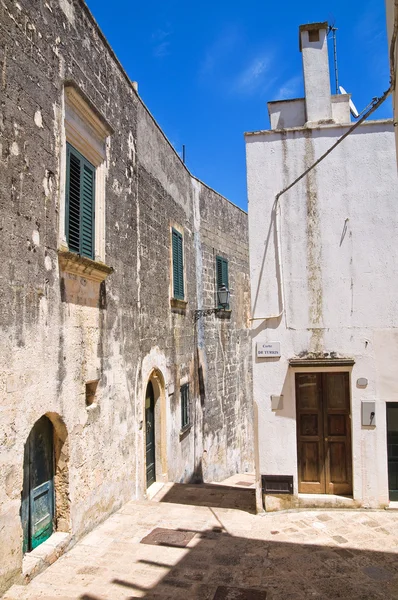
(93,270)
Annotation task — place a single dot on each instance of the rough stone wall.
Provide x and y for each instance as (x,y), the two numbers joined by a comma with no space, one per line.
(227,418)
(59,331)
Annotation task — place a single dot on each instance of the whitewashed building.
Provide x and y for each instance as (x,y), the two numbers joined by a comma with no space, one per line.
(324,284)
(392,22)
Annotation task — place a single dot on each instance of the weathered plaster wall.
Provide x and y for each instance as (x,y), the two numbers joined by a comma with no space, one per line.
(391,16)
(57,332)
(339,276)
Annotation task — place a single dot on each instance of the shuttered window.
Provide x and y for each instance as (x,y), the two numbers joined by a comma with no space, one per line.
(178,265)
(185,416)
(222,275)
(80,197)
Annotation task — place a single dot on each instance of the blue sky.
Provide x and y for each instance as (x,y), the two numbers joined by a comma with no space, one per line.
(206,70)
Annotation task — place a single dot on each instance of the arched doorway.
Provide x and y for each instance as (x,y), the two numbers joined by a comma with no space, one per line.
(155,430)
(150,435)
(38,485)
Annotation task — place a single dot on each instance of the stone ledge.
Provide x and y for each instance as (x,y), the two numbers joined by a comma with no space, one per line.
(93,270)
(278,502)
(46,554)
(185,430)
(179,304)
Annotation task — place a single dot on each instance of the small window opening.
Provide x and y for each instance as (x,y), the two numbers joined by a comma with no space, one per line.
(91,391)
(185,408)
(313,35)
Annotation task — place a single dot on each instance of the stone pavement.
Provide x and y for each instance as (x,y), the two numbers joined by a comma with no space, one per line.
(215,547)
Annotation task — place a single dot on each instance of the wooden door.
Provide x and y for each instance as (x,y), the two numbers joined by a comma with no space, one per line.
(38,491)
(392,449)
(310,443)
(323,433)
(150,435)
(337,430)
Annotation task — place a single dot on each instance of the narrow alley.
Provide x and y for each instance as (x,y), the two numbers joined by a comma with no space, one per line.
(204,541)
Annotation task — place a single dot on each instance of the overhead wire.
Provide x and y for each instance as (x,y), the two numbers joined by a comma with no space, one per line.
(375,104)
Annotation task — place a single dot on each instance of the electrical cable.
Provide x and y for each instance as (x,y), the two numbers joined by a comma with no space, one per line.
(375,103)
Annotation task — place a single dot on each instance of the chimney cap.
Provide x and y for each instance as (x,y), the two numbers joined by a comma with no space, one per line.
(312,27)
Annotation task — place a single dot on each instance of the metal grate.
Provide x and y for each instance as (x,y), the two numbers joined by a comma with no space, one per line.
(277,484)
(168,537)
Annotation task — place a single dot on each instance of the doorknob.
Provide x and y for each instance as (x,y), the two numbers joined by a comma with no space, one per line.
(326,439)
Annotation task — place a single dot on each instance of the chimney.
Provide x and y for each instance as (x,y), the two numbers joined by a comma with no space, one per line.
(314,47)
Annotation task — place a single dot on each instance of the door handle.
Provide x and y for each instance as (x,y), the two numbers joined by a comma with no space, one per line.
(326,439)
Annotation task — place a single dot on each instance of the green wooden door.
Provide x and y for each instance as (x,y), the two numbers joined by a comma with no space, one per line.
(38,491)
(150,435)
(392,449)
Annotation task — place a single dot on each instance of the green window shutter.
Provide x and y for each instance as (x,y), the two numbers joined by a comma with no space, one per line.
(178,265)
(80,201)
(185,416)
(73,200)
(87,212)
(222,272)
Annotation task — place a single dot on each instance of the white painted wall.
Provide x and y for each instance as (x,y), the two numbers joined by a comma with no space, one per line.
(316,72)
(338,232)
(391,15)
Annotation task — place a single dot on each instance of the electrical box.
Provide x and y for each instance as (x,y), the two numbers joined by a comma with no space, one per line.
(276,402)
(369,414)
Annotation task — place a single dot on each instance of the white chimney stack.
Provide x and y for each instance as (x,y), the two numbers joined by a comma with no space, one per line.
(314,48)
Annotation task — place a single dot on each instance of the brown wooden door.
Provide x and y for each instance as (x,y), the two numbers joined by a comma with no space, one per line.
(324,433)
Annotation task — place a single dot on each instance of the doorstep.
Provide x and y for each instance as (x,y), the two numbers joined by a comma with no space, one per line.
(326,501)
(393,505)
(276,502)
(154,489)
(46,554)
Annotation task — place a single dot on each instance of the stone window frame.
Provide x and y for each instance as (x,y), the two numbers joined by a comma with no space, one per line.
(88,132)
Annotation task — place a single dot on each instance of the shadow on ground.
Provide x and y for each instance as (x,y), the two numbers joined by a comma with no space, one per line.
(210,494)
(218,566)
(223,567)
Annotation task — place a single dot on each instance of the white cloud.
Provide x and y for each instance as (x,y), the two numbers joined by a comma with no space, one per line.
(289,89)
(255,75)
(161,41)
(219,51)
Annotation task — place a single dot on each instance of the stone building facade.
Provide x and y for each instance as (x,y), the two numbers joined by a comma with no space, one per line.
(324,280)
(95,346)
(392,49)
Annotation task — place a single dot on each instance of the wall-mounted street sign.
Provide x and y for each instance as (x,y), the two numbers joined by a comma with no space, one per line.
(268,349)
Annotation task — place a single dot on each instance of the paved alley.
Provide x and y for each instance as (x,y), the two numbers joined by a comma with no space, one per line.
(206,542)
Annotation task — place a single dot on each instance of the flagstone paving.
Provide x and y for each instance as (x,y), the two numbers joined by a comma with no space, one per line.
(223,551)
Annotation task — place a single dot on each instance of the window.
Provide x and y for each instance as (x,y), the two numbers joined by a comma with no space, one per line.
(80,202)
(222,275)
(84,164)
(313,35)
(185,416)
(178,265)
(91,390)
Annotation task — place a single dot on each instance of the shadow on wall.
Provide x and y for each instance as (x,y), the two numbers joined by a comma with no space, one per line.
(81,291)
(197,475)
(210,494)
(288,409)
(272,232)
(221,567)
